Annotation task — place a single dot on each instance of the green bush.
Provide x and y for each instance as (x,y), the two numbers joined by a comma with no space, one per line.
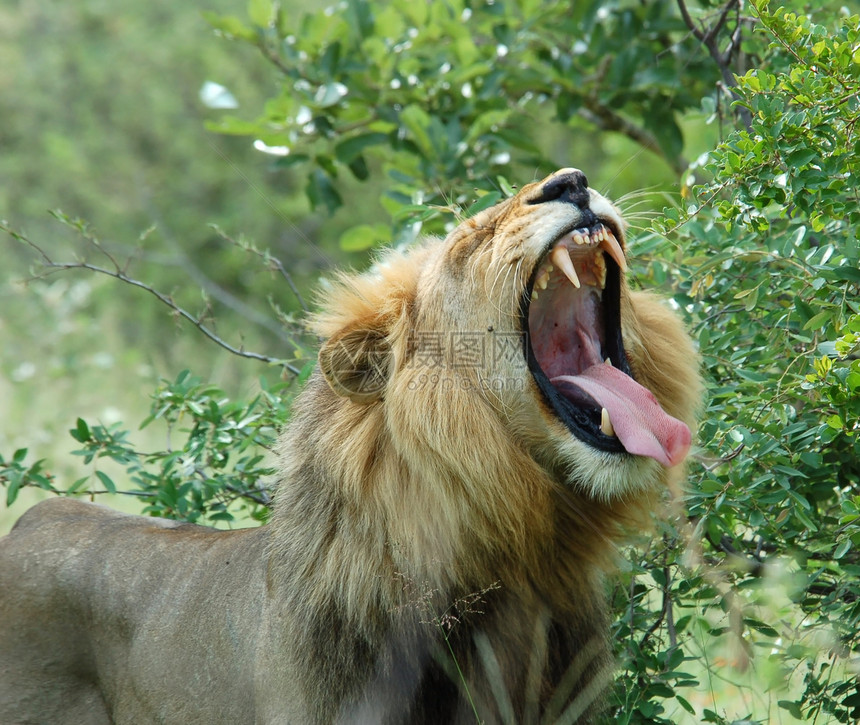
(766,261)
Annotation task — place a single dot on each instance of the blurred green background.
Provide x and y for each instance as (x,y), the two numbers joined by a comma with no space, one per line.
(102,119)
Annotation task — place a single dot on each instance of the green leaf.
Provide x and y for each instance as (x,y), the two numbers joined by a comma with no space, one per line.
(329,94)
(762,627)
(846,274)
(842,549)
(792,707)
(107,481)
(15,481)
(361,17)
(686,705)
(364,236)
(804,310)
(261,12)
(321,191)
(351,148)
(484,202)
(359,169)
(77,484)
(486,123)
(284,162)
(660,689)
(816,322)
(81,431)
(802,157)
(230,26)
(417,123)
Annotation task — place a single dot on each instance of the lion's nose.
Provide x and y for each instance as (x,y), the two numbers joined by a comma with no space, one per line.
(569,185)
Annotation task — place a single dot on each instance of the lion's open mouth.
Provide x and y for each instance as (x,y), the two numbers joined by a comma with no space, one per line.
(574,349)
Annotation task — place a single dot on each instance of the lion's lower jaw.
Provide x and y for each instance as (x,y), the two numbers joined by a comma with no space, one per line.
(606,476)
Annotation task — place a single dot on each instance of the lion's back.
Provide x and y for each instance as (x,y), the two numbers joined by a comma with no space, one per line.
(63,547)
(89,595)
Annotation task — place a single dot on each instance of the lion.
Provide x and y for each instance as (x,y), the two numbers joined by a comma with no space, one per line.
(490,414)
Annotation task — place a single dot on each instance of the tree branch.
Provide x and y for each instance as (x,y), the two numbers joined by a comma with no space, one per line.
(119,273)
(608,120)
(209,286)
(708,38)
(709,464)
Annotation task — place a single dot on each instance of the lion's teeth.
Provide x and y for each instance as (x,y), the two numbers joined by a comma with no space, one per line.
(605,423)
(610,244)
(599,270)
(561,258)
(534,295)
(607,361)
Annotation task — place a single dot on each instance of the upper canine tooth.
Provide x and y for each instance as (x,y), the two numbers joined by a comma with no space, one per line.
(610,244)
(561,259)
(605,423)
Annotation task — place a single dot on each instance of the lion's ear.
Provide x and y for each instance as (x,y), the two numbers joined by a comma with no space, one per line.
(356,363)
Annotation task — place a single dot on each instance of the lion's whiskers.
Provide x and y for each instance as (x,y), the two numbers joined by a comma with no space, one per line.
(492,289)
(485,250)
(515,290)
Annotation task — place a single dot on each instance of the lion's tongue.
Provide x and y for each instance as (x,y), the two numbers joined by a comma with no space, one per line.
(641,425)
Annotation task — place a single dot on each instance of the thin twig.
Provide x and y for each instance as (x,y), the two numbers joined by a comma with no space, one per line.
(666,614)
(209,286)
(709,464)
(262,498)
(181,312)
(272,262)
(117,273)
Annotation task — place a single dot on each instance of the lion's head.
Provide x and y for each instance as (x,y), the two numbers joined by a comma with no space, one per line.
(521,324)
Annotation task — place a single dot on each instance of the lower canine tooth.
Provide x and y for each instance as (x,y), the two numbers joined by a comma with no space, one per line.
(605,423)
(600,270)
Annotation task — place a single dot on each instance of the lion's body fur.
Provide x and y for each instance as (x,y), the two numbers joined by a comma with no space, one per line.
(436,552)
